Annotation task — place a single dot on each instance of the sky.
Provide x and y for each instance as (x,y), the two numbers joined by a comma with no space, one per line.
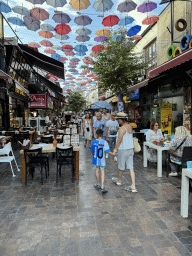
(28,36)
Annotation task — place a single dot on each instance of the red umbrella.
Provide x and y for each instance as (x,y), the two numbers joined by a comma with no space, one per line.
(137,37)
(39,14)
(150,20)
(52,79)
(88,60)
(34,45)
(69,53)
(46,43)
(67,46)
(98,48)
(62,29)
(46,34)
(91,75)
(49,51)
(68,90)
(110,20)
(93,54)
(73,63)
(63,59)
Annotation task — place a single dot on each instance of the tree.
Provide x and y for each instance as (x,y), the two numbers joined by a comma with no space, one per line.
(76,102)
(118,67)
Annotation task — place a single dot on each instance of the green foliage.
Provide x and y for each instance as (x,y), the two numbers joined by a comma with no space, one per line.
(76,102)
(118,67)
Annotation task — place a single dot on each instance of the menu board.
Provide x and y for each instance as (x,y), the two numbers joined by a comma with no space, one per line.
(66,140)
(166,117)
(75,140)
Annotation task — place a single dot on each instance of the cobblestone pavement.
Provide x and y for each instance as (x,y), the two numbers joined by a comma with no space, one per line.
(77,220)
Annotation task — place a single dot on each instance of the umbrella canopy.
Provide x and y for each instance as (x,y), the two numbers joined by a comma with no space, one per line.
(21,10)
(134,30)
(147,7)
(79,4)
(80,53)
(57,47)
(16,21)
(80,48)
(83,20)
(73,63)
(82,38)
(61,18)
(103,32)
(56,56)
(49,51)
(69,53)
(62,29)
(101,104)
(46,34)
(56,3)
(67,46)
(46,43)
(98,48)
(150,20)
(83,31)
(88,60)
(110,21)
(71,66)
(137,37)
(100,38)
(68,90)
(93,54)
(126,6)
(67,50)
(39,14)
(31,24)
(61,37)
(125,21)
(34,45)
(4,7)
(47,27)
(118,38)
(103,5)
(63,59)
(75,59)
(72,70)
(36,1)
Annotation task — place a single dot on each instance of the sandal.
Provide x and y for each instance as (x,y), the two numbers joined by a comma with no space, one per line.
(133,190)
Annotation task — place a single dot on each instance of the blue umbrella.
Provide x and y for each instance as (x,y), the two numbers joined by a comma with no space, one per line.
(83,31)
(125,21)
(80,48)
(101,104)
(21,10)
(47,27)
(80,53)
(56,56)
(118,38)
(56,3)
(16,21)
(4,7)
(102,5)
(134,30)
(61,37)
(75,74)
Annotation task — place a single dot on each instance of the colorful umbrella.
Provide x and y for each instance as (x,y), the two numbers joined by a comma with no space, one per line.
(126,6)
(61,37)
(150,20)
(47,27)
(39,14)
(21,10)
(110,21)
(80,53)
(80,48)
(49,51)
(125,21)
(69,53)
(75,59)
(88,60)
(62,29)
(102,5)
(118,38)
(103,32)
(134,30)
(72,70)
(4,7)
(79,4)
(61,18)
(67,46)
(82,38)
(93,54)
(31,24)
(67,50)
(46,34)
(36,1)
(46,43)
(56,56)
(57,47)
(100,38)
(68,90)
(56,3)
(137,37)
(83,20)
(122,30)
(34,45)
(73,63)
(71,66)
(16,21)
(63,59)
(83,31)
(147,7)
(98,48)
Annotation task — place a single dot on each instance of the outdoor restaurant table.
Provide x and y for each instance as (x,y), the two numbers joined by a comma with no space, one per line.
(159,149)
(49,148)
(186,174)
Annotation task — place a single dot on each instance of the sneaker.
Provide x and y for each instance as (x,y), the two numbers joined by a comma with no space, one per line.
(131,190)
(115,180)
(107,156)
(104,190)
(115,159)
(173,174)
(97,186)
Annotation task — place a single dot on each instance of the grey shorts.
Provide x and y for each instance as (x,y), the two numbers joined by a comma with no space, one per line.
(125,158)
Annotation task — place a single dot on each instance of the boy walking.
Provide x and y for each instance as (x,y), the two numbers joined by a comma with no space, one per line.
(99,147)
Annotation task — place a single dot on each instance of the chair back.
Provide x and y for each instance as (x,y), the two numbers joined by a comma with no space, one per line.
(67,139)
(187,156)
(189,164)
(6,150)
(172,137)
(64,152)
(34,156)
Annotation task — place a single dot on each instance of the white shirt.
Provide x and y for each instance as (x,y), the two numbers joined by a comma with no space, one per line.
(113,128)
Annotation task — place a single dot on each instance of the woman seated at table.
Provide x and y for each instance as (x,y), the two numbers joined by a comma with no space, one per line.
(182,135)
(154,133)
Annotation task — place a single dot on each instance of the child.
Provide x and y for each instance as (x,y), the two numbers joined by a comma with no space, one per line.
(99,147)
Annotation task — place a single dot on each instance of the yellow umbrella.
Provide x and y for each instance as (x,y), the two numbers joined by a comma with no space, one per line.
(103,32)
(79,4)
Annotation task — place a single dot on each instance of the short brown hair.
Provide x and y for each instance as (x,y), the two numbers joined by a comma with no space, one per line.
(153,124)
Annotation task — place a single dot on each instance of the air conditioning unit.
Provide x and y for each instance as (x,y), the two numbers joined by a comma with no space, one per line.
(42,124)
(34,122)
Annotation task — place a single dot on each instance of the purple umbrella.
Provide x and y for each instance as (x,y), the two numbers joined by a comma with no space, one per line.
(61,18)
(100,38)
(126,6)
(31,24)
(147,7)
(82,38)
(83,20)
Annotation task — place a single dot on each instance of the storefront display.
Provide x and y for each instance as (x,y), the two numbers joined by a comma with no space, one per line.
(166,117)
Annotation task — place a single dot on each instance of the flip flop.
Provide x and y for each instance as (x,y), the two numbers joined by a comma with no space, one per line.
(131,190)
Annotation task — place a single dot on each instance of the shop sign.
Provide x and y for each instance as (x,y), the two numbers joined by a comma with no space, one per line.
(120,104)
(133,95)
(166,117)
(38,101)
(50,103)
(19,92)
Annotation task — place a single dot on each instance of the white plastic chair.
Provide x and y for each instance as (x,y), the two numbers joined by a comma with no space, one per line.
(6,158)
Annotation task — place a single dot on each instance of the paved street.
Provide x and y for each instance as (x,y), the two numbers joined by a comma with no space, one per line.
(77,220)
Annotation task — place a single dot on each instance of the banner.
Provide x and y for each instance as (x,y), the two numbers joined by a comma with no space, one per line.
(120,102)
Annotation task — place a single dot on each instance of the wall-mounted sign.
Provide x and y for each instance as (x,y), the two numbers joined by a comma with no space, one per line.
(49,103)
(133,95)
(38,101)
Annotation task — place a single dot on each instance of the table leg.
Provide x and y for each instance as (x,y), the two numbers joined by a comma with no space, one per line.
(77,165)
(184,195)
(31,137)
(23,169)
(159,163)
(144,156)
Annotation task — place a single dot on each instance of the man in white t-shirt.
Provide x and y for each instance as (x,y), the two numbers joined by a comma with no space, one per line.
(106,116)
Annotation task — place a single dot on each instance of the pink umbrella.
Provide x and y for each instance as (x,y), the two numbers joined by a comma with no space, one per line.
(73,63)
(46,43)
(63,59)
(67,46)
(49,51)
(150,20)
(68,90)
(34,45)
(45,34)
(98,48)
(69,53)
(39,14)
(93,54)
(137,37)
(91,75)
(88,60)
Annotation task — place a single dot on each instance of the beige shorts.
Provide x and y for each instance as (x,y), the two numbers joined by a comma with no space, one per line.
(125,159)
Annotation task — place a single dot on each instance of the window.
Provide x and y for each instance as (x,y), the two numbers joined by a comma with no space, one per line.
(150,51)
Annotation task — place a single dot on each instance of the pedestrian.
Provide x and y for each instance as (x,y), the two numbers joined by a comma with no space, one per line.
(106,116)
(125,154)
(99,147)
(87,128)
(99,124)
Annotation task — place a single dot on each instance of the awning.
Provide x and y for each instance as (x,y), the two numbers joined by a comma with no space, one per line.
(139,85)
(115,100)
(5,76)
(110,99)
(43,62)
(21,88)
(181,58)
(53,87)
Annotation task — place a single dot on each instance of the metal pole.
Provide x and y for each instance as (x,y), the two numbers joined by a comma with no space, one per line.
(2,54)
(172,22)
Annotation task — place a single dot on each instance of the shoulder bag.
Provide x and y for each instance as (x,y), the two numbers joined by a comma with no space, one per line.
(137,147)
